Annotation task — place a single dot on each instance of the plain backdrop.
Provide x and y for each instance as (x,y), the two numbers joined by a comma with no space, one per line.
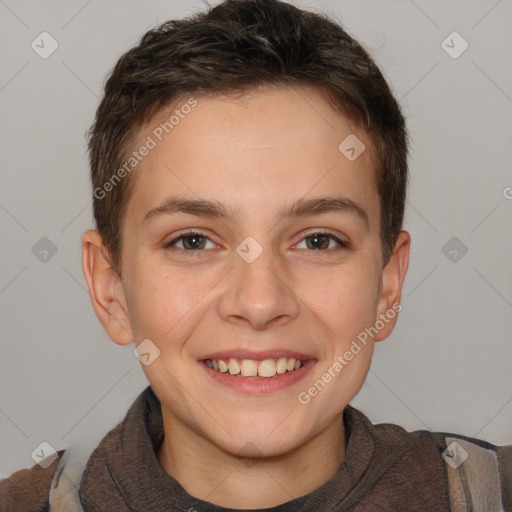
(447,365)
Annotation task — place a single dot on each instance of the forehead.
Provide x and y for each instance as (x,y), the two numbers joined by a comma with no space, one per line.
(254,151)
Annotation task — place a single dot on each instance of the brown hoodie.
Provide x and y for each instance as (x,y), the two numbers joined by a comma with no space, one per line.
(386,469)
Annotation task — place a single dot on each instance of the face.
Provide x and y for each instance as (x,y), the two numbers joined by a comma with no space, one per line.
(271,279)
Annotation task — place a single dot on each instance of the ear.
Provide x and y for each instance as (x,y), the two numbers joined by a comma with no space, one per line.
(393,275)
(106,289)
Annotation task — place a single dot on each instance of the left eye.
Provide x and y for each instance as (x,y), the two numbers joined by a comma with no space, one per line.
(193,242)
(319,238)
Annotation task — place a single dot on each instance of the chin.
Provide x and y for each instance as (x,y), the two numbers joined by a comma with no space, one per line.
(262,439)
(261,448)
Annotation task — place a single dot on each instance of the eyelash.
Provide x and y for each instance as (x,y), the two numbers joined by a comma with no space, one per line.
(195,253)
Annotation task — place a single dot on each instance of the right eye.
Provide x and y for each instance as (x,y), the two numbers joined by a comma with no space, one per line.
(192,241)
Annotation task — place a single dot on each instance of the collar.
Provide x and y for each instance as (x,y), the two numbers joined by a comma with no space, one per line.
(123,473)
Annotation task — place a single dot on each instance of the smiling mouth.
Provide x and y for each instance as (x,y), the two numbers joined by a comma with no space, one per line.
(265,369)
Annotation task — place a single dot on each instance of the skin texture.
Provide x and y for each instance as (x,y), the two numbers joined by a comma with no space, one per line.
(255,154)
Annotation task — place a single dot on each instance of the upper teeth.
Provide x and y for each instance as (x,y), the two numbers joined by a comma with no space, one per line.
(252,368)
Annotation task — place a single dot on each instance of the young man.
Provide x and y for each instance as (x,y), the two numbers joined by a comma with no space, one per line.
(249,168)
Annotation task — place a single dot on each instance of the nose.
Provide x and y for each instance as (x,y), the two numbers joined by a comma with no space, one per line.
(258,293)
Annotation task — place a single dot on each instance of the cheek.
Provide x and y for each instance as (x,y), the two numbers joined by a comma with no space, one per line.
(346,300)
(165,302)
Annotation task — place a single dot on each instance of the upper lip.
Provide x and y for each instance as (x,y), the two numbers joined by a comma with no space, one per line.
(257,355)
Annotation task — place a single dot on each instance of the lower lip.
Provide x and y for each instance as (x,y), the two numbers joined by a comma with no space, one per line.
(259,385)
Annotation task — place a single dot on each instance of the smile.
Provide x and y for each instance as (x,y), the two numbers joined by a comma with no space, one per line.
(267,368)
(257,373)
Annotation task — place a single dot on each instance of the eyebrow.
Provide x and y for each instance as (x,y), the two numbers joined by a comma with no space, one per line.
(298,208)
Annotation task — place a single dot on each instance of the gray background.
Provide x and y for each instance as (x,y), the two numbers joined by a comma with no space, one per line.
(447,365)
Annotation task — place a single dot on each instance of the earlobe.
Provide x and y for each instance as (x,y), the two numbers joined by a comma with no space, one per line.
(393,275)
(105,289)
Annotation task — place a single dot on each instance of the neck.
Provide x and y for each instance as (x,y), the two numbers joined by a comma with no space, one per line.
(211,474)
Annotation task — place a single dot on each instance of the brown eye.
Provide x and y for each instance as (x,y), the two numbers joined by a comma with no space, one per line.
(320,241)
(192,242)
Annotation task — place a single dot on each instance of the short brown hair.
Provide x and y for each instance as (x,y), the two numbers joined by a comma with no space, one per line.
(232,47)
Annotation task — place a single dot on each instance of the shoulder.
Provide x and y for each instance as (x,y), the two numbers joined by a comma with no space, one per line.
(51,485)
(478,473)
(29,489)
